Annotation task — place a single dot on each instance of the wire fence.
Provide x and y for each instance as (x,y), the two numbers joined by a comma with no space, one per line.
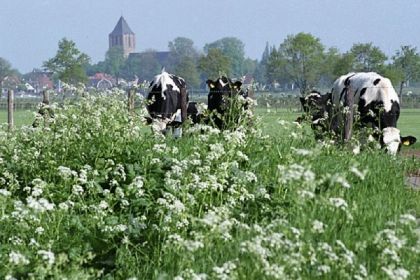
(270,100)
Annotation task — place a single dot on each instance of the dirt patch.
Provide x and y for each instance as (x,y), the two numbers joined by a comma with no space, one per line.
(411,153)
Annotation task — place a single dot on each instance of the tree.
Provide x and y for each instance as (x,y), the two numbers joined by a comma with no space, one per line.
(274,68)
(232,48)
(92,69)
(261,68)
(303,56)
(331,65)
(69,63)
(182,47)
(214,64)
(5,70)
(114,61)
(367,58)
(407,61)
(144,65)
(183,60)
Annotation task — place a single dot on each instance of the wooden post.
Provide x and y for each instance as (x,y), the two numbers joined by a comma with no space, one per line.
(130,104)
(45,97)
(45,107)
(348,115)
(10,108)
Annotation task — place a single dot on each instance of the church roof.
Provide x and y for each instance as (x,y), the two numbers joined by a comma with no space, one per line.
(121,28)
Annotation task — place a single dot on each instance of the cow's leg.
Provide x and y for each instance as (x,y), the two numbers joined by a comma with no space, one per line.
(177,132)
(159,127)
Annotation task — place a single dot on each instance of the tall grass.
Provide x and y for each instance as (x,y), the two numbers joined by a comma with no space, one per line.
(96,195)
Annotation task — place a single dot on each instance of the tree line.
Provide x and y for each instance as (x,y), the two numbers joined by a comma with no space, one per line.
(301,61)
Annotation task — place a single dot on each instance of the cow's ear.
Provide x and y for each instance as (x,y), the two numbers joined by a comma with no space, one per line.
(210,84)
(408,140)
(237,85)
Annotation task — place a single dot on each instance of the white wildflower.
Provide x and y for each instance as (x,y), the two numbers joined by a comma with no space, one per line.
(103,205)
(358,173)
(17,258)
(5,192)
(407,219)
(121,228)
(39,230)
(66,172)
(47,256)
(302,152)
(338,202)
(396,273)
(318,226)
(323,269)
(306,194)
(77,190)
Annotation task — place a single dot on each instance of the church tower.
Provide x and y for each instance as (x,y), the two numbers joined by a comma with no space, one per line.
(123,37)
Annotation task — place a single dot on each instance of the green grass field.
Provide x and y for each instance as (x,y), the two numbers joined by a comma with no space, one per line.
(97,196)
(409,122)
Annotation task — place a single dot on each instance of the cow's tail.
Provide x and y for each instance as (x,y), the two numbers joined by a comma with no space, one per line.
(184,103)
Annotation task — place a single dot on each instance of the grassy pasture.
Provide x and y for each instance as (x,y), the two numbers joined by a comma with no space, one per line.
(97,196)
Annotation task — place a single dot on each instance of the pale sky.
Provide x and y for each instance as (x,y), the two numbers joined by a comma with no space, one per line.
(30,29)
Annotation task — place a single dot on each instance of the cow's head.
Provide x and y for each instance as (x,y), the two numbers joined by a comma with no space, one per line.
(220,89)
(318,108)
(220,92)
(392,140)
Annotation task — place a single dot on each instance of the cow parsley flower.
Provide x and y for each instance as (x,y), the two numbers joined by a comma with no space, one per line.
(324,269)
(47,256)
(317,226)
(302,152)
(338,202)
(77,190)
(39,230)
(66,172)
(103,205)
(16,258)
(396,273)
(224,272)
(306,194)
(5,192)
(407,219)
(40,205)
(159,148)
(360,174)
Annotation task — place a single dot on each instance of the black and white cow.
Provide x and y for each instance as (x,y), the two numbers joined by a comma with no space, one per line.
(377,103)
(167,103)
(195,111)
(318,108)
(220,91)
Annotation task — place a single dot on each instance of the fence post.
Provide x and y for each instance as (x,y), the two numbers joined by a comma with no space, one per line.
(10,108)
(45,97)
(45,107)
(130,104)
(348,115)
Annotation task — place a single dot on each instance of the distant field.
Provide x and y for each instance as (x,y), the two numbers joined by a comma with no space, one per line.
(409,122)
(21,117)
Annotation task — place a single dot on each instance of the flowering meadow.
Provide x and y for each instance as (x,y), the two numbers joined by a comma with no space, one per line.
(92,193)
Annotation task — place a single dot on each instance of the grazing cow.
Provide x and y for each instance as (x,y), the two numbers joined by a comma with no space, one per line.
(167,103)
(377,103)
(195,112)
(318,107)
(220,91)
